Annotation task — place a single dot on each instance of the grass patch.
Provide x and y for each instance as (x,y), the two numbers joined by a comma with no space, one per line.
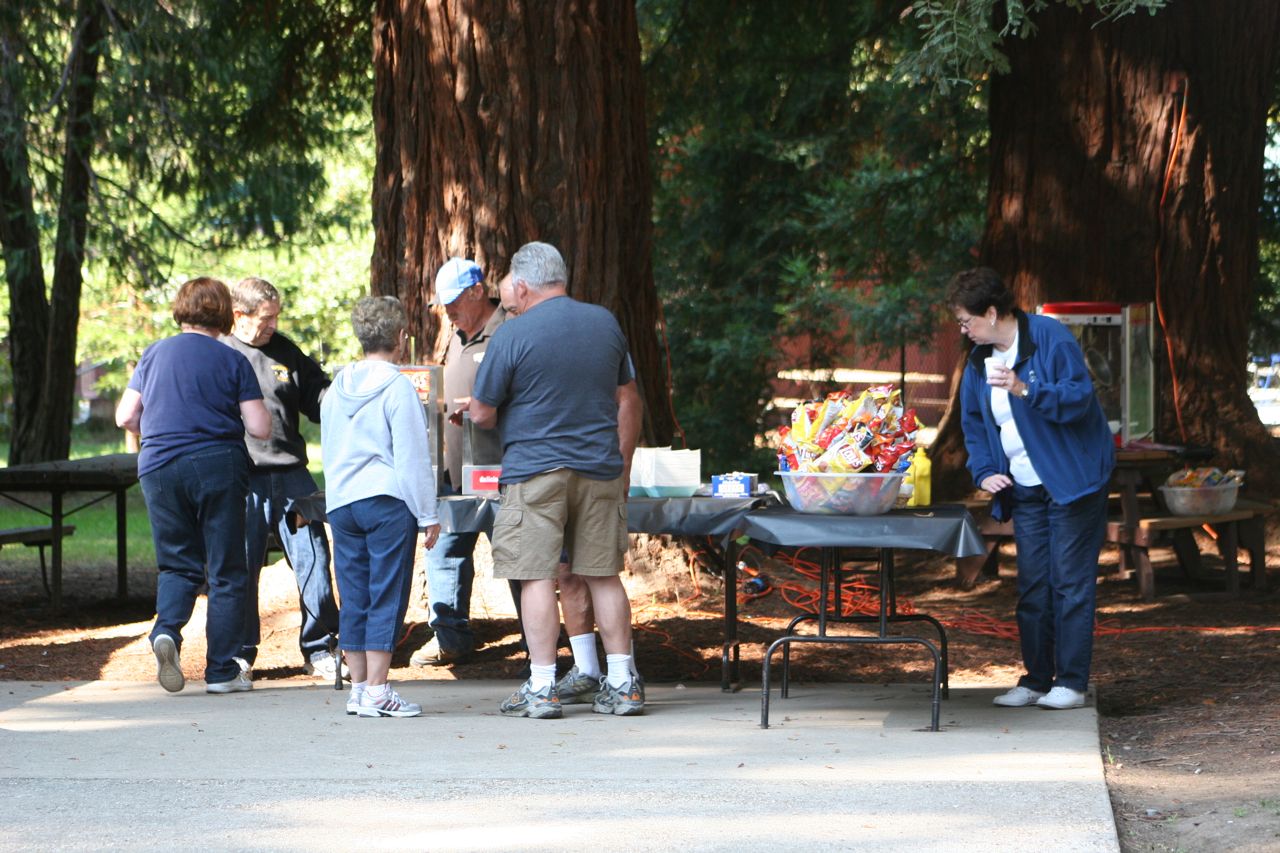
(94,542)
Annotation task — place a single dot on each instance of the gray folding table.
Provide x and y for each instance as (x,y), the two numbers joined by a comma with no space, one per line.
(947,529)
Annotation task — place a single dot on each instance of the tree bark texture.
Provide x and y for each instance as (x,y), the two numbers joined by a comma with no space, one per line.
(43,331)
(500,122)
(1126,165)
(24,273)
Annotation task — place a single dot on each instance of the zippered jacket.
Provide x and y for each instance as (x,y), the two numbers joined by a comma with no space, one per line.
(1061,422)
(373,438)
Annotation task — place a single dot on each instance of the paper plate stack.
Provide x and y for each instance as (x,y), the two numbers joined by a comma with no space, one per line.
(660,472)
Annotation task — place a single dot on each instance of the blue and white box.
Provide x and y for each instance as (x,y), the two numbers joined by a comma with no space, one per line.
(734,485)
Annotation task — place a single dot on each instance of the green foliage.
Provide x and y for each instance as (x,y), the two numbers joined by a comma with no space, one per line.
(231,138)
(213,119)
(93,547)
(962,38)
(803,186)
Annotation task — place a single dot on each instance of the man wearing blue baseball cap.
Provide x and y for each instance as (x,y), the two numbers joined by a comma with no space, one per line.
(450,567)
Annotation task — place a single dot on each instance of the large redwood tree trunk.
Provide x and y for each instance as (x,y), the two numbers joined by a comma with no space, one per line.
(498,123)
(1126,165)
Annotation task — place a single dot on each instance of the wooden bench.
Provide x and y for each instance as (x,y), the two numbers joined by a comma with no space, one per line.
(1243,526)
(35,537)
(993,533)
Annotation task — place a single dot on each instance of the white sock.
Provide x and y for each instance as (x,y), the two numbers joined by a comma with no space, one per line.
(584,654)
(377,691)
(358,687)
(619,669)
(541,676)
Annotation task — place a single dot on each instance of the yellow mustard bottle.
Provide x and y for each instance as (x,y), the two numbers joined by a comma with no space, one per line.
(919,475)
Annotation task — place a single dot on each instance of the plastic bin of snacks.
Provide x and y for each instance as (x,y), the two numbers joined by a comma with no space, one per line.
(841,494)
(1201,500)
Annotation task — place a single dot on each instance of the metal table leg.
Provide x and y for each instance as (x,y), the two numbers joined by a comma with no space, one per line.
(122,546)
(55,552)
(887,613)
(730,653)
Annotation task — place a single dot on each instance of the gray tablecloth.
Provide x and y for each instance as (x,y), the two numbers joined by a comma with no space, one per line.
(947,529)
(695,516)
(689,516)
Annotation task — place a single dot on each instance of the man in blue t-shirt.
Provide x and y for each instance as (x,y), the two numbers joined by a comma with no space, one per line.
(558,384)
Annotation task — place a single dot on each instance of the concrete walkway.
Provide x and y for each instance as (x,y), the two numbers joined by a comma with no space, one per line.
(126,766)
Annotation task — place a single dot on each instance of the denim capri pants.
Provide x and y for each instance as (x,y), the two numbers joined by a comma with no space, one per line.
(373,549)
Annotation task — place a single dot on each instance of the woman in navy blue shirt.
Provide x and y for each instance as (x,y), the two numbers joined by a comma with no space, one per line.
(192,399)
(1040,444)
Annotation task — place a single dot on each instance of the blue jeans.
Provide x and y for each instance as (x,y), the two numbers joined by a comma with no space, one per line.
(373,547)
(1058,547)
(306,549)
(196,507)
(451,572)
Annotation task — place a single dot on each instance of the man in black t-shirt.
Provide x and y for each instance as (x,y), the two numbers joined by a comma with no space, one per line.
(292,385)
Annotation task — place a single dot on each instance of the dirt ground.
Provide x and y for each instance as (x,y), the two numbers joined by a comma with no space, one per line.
(1188,686)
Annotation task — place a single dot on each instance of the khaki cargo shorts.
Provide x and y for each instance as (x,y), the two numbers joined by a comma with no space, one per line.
(551,512)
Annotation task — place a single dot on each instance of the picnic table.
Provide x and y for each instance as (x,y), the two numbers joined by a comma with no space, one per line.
(1140,520)
(105,476)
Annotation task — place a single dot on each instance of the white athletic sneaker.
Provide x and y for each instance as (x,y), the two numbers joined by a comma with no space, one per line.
(389,705)
(1062,698)
(168,670)
(1018,697)
(322,666)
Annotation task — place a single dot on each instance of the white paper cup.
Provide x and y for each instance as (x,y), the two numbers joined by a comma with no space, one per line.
(993,362)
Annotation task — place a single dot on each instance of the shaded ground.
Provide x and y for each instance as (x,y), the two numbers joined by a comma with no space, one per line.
(1188,686)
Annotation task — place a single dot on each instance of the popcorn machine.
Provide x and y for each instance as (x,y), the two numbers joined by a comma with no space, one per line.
(1119,344)
(428,381)
(481,458)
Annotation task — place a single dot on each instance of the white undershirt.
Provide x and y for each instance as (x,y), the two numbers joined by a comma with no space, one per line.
(1020,467)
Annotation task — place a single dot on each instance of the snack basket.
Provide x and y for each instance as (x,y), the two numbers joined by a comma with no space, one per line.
(1201,500)
(841,494)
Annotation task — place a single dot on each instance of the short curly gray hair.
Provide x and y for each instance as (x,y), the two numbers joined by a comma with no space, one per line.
(378,322)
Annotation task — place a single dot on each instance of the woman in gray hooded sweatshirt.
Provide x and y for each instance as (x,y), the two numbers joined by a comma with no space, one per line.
(379,491)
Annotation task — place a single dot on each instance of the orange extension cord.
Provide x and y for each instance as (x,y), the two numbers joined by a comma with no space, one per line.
(859,596)
(1164,194)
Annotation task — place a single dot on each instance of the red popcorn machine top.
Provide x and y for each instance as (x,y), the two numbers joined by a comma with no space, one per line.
(1119,344)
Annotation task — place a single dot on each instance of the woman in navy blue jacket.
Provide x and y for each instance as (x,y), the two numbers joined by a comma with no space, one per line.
(1039,442)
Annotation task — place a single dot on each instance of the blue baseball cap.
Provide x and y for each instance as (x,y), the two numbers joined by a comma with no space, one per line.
(455,276)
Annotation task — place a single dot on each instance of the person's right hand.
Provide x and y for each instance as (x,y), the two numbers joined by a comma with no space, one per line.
(995,483)
(460,405)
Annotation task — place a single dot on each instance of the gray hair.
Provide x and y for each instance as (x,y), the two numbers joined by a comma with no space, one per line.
(539,265)
(378,322)
(249,294)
